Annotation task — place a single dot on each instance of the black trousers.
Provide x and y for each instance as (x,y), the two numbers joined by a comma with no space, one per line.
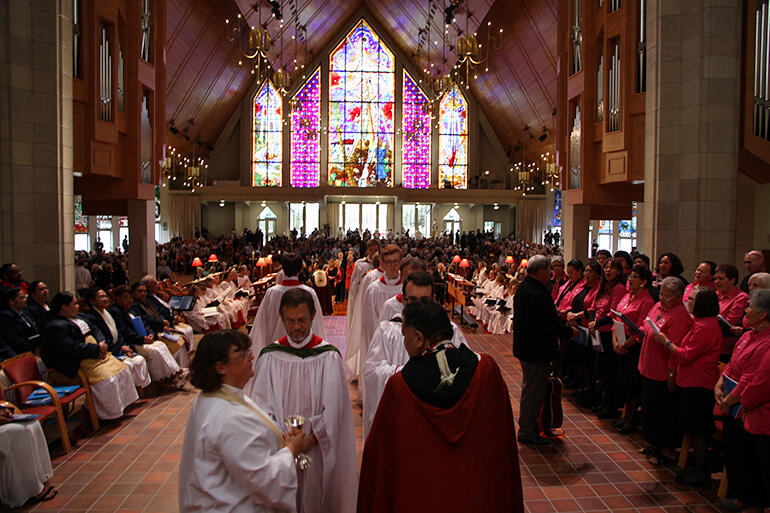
(659,407)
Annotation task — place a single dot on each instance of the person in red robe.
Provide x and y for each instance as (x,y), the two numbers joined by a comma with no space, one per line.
(443,438)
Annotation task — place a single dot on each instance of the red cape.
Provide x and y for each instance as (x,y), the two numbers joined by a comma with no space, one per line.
(419,458)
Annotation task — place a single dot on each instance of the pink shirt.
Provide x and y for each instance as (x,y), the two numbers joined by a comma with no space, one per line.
(691,286)
(732,307)
(756,399)
(567,293)
(655,359)
(697,358)
(746,357)
(635,307)
(606,302)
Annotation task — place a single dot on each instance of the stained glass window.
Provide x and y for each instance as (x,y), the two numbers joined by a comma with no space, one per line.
(306,133)
(453,141)
(81,221)
(361,104)
(266,137)
(415,149)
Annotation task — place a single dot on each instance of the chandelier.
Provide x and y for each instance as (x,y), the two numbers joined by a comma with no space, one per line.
(550,169)
(471,53)
(181,172)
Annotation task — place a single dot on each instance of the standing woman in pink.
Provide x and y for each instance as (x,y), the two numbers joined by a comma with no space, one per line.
(696,373)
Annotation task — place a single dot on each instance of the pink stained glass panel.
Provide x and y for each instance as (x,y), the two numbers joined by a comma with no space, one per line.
(306,133)
(416,136)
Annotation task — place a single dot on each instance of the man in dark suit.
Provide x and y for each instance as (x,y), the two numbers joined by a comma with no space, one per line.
(536,332)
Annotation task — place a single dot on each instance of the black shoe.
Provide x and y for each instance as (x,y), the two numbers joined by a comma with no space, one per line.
(538,440)
(608,413)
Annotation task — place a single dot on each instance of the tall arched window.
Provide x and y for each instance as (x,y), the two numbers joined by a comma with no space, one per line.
(267,137)
(453,140)
(415,147)
(361,101)
(306,133)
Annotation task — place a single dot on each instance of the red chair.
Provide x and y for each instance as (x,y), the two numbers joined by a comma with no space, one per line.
(24,373)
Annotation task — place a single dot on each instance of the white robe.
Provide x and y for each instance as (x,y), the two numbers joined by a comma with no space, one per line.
(139,372)
(497,319)
(385,357)
(354,358)
(231,461)
(24,462)
(374,297)
(360,268)
(201,322)
(314,387)
(268,327)
(390,308)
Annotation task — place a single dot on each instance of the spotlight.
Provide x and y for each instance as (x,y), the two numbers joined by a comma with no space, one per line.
(542,137)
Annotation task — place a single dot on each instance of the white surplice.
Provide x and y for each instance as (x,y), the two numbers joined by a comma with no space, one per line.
(360,268)
(25,464)
(315,387)
(354,358)
(385,357)
(375,296)
(201,322)
(390,308)
(231,461)
(268,326)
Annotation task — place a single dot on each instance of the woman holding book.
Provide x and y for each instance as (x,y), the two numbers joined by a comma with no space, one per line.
(696,373)
(747,356)
(632,310)
(658,391)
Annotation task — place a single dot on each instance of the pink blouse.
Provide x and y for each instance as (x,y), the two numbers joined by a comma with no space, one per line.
(746,357)
(732,307)
(635,307)
(655,359)
(691,286)
(697,358)
(756,399)
(606,302)
(567,293)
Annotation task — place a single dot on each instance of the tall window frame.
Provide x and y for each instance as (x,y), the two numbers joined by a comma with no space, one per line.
(362,97)
(416,135)
(453,140)
(267,137)
(306,133)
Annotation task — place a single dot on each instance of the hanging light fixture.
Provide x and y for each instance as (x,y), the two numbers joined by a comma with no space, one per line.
(254,42)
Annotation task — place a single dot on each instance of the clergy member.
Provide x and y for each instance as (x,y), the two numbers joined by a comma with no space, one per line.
(386,353)
(353,356)
(443,438)
(360,268)
(234,457)
(395,304)
(301,374)
(267,326)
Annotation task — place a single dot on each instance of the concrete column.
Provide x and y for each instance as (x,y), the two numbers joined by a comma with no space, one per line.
(92,231)
(141,251)
(692,129)
(574,231)
(116,240)
(36,140)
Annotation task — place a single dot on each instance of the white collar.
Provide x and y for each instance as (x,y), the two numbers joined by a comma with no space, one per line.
(302,344)
(233,389)
(393,281)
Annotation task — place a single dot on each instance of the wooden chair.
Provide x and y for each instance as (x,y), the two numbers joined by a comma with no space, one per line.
(24,373)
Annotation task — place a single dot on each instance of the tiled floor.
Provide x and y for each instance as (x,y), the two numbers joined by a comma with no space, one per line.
(132,465)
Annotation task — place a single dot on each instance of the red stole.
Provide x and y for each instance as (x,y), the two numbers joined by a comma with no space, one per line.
(290,283)
(314,341)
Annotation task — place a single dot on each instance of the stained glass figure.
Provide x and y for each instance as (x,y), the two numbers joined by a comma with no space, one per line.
(81,221)
(306,133)
(453,141)
(267,137)
(361,105)
(415,148)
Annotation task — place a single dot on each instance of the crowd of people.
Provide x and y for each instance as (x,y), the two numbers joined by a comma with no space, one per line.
(636,343)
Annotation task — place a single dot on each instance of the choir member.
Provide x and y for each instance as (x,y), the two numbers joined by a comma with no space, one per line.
(658,391)
(697,371)
(704,277)
(234,456)
(267,327)
(354,357)
(301,374)
(443,437)
(360,268)
(732,304)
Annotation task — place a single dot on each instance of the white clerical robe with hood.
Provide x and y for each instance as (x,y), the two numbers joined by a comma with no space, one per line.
(385,357)
(308,379)
(374,298)
(231,458)
(360,268)
(354,358)
(390,308)
(268,326)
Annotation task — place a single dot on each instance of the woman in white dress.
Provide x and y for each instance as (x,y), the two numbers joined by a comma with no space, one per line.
(195,317)
(25,465)
(234,457)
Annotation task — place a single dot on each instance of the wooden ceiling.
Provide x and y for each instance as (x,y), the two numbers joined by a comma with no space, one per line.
(205,82)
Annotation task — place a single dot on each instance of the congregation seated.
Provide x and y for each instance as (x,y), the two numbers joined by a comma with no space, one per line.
(198,319)
(37,302)
(18,331)
(176,322)
(69,345)
(10,277)
(160,363)
(156,324)
(97,315)
(25,461)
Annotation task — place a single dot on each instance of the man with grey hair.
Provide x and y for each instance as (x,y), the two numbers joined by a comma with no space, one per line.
(754,262)
(175,322)
(537,329)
